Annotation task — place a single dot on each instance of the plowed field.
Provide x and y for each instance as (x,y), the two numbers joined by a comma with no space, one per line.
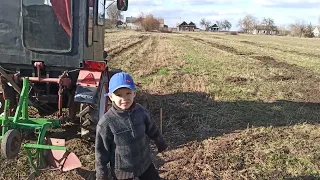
(234,106)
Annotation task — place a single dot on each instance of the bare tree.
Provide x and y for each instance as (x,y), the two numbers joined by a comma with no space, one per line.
(140,19)
(227,25)
(309,31)
(202,22)
(149,22)
(248,23)
(298,28)
(205,23)
(283,30)
(220,24)
(268,23)
(113,13)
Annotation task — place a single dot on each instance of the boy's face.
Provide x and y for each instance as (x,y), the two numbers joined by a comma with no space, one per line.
(123,98)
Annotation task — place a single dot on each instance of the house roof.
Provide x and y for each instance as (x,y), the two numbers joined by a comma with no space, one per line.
(183,24)
(262,27)
(215,26)
(187,25)
(131,19)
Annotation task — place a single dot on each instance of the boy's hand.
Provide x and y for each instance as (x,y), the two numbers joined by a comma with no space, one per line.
(162,147)
(105,177)
(102,178)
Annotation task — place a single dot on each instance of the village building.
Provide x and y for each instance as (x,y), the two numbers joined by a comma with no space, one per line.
(316,31)
(187,27)
(213,28)
(265,30)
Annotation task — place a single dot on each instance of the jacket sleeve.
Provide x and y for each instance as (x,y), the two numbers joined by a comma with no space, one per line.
(102,150)
(153,133)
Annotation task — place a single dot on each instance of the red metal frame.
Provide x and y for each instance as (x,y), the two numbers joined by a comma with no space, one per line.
(83,74)
(64,82)
(97,74)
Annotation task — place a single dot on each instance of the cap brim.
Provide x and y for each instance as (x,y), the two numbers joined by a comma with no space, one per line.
(122,86)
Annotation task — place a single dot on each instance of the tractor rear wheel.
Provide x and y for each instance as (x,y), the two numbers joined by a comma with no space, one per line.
(11,144)
(1,103)
(11,95)
(1,107)
(89,120)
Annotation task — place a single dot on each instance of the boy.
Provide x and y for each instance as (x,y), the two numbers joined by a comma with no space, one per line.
(122,135)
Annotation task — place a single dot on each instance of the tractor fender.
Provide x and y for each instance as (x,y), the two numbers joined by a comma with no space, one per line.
(86,89)
(87,86)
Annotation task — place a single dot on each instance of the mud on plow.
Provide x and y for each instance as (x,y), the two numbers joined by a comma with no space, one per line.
(46,153)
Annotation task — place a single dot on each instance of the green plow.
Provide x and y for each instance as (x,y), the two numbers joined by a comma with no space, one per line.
(46,153)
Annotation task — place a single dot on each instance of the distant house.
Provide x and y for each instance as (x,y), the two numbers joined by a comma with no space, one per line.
(213,28)
(265,30)
(187,27)
(131,19)
(161,21)
(131,23)
(316,31)
(173,29)
(164,28)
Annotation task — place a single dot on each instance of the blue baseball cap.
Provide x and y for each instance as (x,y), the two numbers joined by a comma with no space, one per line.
(120,80)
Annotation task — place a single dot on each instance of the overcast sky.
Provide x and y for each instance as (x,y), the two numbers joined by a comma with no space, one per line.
(175,11)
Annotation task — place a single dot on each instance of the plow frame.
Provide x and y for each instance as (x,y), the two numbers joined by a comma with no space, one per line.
(21,121)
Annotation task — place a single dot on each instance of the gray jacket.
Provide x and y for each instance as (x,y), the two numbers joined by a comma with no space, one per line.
(122,139)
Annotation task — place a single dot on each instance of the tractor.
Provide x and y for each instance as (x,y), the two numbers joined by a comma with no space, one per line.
(56,49)
(59,46)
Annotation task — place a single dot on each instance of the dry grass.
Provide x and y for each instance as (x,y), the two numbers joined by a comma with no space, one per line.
(259,153)
(234,107)
(216,84)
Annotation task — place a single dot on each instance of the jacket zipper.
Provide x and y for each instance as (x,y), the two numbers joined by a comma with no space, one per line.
(131,125)
(134,135)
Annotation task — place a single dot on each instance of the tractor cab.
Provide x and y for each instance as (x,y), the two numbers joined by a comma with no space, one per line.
(61,33)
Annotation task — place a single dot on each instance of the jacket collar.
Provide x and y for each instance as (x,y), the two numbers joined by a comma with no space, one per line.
(120,111)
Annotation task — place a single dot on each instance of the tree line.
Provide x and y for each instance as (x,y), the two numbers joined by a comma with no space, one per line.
(223,25)
(247,24)
(298,28)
